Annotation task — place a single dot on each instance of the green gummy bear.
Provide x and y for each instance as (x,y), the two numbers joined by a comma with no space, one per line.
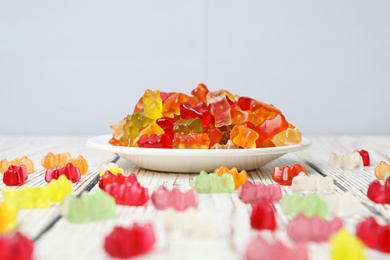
(387,174)
(186,126)
(88,207)
(212,183)
(310,205)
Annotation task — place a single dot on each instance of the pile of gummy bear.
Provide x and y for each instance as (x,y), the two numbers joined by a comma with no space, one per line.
(206,119)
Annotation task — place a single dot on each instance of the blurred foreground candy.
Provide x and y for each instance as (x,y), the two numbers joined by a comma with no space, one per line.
(212,183)
(253,192)
(342,204)
(88,207)
(304,229)
(310,205)
(285,175)
(259,248)
(379,193)
(59,189)
(110,178)
(381,169)
(312,184)
(8,214)
(39,197)
(163,198)
(130,242)
(28,197)
(240,178)
(365,156)
(346,246)
(71,172)
(4,164)
(263,215)
(16,246)
(15,175)
(113,168)
(195,222)
(347,161)
(374,235)
(128,193)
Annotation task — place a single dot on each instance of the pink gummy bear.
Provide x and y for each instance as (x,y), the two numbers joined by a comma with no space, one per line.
(130,194)
(259,248)
(253,192)
(304,229)
(162,198)
(71,172)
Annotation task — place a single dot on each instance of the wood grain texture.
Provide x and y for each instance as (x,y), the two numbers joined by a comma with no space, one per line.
(56,238)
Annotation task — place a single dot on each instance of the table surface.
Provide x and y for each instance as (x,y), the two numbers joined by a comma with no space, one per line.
(57,238)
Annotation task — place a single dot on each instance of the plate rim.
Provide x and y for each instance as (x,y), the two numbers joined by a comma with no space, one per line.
(100,142)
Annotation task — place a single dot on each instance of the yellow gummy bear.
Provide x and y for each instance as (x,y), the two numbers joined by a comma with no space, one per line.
(59,189)
(152,104)
(345,246)
(28,197)
(8,214)
(290,136)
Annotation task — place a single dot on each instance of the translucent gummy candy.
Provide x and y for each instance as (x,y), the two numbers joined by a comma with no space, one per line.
(130,194)
(344,246)
(4,164)
(263,216)
(381,169)
(15,175)
(88,207)
(51,160)
(59,189)
(240,178)
(28,197)
(305,184)
(130,242)
(71,172)
(285,175)
(113,168)
(202,222)
(374,235)
(310,205)
(163,198)
(304,229)
(347,161)
(259,248)
(253,192)
(8,214)
(16,246)
(379,193)
(365,156)
(342,204)
(212,183)
(110,178)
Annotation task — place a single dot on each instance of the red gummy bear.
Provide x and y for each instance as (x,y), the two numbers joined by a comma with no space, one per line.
(263,216)
(71,172)
(199,110)
(285,175)
(126,243)
(155,141)
(379,193)
(15,175)
(374,235)
(365,156)
(130,194)
(109,178)
(166,123)
(16,247)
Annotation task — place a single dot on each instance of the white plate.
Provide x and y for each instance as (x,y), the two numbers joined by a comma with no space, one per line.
(194,160)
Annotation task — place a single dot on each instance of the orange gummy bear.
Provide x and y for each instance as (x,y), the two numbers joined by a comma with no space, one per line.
(80,163)
(51,160)
(4,164)
(381,169)
(243,136)
(240,178)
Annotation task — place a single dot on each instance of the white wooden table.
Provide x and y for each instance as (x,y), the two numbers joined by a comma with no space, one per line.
(56,238)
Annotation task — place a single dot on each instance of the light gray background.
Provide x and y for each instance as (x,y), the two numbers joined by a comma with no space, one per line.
(76,67)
